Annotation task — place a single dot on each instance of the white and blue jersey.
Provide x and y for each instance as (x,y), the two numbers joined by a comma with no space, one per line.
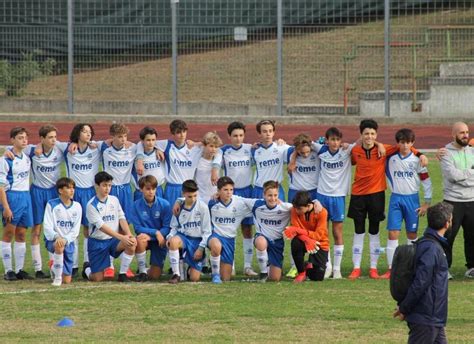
(46,168)
(203,179)
(270,222)
(118,162)
(237,164)
(269,162)
(82,166)
(151,166)
(62,221)
(181,162)
(109,212)
(306,175)
(226,218)
(15,173)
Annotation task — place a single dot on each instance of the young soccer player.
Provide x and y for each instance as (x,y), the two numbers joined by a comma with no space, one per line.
(15,201)
(109,233)
(308,233)
(405,173)
(237,164)
(62,224)
(151,164)
(206,164)
(151,216)
(190,230)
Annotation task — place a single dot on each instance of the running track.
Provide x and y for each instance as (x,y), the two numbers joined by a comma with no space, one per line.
(427,137)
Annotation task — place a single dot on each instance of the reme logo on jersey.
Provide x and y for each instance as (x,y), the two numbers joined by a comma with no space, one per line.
(181,163)
(270,222)
(331,165)
(108,218)
(270,162)
(151,165)
(119,163)
(306,169)
(46,169)
(239,163)
(65,224)
(403,174)
(192,224)
(224,220)
(81,167)
(24,174)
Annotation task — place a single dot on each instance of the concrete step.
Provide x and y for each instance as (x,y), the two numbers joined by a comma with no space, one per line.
(452,81)
(321,109)
(394,95)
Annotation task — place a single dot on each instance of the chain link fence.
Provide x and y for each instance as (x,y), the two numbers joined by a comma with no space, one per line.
(227,50)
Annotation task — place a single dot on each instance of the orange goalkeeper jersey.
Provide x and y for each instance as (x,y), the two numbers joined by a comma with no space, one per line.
(315,224)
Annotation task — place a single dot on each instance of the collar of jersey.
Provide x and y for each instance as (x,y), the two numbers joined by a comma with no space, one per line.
(261,145)
(179,147)
(47,155)
(226,205)
(266,205)
(65,206)
(79,150)
(236,149)
(189,209)
(403,158)
(117,149)
(151,152)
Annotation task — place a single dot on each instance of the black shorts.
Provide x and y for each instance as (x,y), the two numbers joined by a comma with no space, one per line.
(371,206)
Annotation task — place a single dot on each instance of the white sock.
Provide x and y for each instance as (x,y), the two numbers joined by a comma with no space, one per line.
(141,259)
(216,265)
(262,257)
(391,246)
(112,262)
(88,272)
(357,249)
(374,242)
(36,257)
(174,261)
(248,252)
(125,262)
(338,252)
(85,252)
(328,263)
(75,257)
(410,242)
(19,250)
(7,256)
(58,263)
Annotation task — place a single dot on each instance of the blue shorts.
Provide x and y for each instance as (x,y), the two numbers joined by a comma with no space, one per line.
(83,196)
(157,254)
(292,193)
(335,205)
(172,193)
(190,245)
(22,210)
(124,194)
(228,248)
(274,249)
(258,193)
(99,252)
(403,207)
(39,199)
(246,193)
(68,255)
(138,194)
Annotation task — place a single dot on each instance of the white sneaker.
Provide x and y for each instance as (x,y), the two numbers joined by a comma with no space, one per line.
(469,273)
(450,277)
(328,272)
(336,274)
(248,271)
(57,282)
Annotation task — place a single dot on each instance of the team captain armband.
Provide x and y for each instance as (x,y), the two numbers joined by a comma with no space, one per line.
(424,176)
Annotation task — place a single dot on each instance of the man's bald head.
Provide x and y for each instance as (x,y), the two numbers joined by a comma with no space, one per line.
(460,133)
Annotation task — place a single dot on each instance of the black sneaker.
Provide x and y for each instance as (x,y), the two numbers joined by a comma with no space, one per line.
(75,272)
(141,277)
(206,270)
(23,275)
(123,278)
(10,276)
(263,277)
(41,275)
(84,267)
(174,280)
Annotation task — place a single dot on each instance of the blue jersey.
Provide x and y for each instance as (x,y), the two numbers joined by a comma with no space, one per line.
(15,173)
(237,164)
(62,221)
(150,218)
(118,162)
(226,218)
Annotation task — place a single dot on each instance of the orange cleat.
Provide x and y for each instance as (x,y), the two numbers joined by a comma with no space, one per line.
(374,274)
(355,274)
(300,278)
(109,273)
(386,275)
(130,274)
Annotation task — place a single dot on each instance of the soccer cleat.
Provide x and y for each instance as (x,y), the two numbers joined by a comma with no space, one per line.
(328,273)
(23,275)
(41,275)
(141,277)
(109,273)
(84,267)
(130,273)
(10,276)
(469,273)
(386,275)
(336,274)
(123,278)
(216,279)
(292,272)
(174,280)
(300,278)
(263,277)
(57,282)
(374,274)
(248,271)
(450,276)
(75,271)
(355,274)
(206,270)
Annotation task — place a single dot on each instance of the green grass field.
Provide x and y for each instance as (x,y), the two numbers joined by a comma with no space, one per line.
(339,311)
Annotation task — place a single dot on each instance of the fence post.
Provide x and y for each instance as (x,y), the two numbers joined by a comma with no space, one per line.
(174,40)
(387,57)
(280,57)
(70,56)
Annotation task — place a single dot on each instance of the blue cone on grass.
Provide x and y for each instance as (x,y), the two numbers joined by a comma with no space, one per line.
(65,322)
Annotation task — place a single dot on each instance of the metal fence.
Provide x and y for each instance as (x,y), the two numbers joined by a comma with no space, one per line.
(278,52)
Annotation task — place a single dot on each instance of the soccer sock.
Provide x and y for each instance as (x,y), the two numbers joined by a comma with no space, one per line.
(88,272)
(216,265)
(75,257)
(36,256)
(329,264)
(111,262)
(374,242)
(338,252)
(248,252)
(58,261)
(7,256)
(125,262)
(141,259)
(19,250)
(85,251)
(391,246)
(174,261)
(262,257)
(357,248)
(410,242)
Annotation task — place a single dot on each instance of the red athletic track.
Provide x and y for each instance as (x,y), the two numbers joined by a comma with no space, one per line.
(432,136)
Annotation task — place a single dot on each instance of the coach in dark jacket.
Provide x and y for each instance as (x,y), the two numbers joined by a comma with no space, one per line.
(425,307)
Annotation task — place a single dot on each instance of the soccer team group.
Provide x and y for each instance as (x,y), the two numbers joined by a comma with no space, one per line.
(191,198)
